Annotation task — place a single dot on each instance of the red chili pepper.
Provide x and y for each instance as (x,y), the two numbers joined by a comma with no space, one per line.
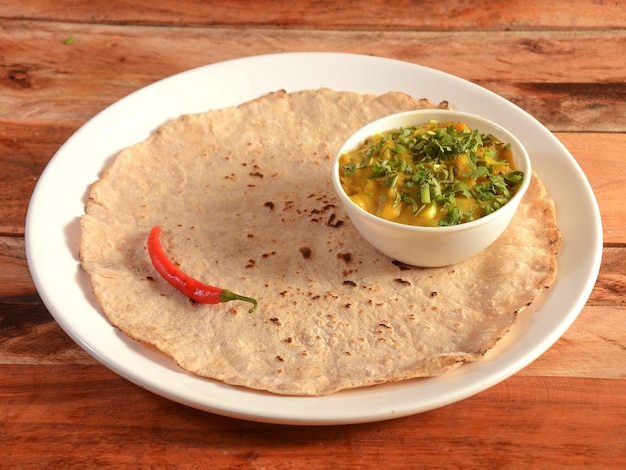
(192,288)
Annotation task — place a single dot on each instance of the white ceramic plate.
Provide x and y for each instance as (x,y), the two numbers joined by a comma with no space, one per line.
(52,234)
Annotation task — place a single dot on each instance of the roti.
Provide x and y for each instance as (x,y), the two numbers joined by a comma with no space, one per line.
(245,200)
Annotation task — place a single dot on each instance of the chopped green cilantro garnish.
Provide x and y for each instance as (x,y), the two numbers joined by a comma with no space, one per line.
(439,165)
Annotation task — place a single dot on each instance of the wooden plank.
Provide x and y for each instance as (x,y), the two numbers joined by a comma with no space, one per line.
(593,347)
(565,106)
(95,413)
(611,286)
(539,70)
(454,15)
(26,146)
(16,285)
(606,174)
(15,280)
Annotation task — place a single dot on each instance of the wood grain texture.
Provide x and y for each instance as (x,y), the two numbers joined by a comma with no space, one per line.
(27,146)
(562,61)
(15,280)
(408,15)
(595,346)
(541,71)
(592,348)
(98,416)
(606,174)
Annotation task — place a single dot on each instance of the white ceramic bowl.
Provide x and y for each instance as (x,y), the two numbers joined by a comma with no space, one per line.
(433,246)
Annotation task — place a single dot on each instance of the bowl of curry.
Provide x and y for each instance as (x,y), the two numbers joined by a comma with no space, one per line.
(431,188)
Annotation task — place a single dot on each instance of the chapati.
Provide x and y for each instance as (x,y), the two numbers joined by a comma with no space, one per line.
(245,199)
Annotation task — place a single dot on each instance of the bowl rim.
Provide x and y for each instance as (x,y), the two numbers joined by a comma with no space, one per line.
(460,115)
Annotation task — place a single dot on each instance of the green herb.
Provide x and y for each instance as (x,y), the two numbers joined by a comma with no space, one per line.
(434,165)
(456,216)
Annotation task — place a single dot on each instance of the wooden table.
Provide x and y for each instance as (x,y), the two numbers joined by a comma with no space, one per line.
(62,62)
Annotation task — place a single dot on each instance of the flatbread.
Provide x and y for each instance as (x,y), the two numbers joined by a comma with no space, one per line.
(245,199)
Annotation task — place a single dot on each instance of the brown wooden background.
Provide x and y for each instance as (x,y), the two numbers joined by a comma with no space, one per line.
(562,61)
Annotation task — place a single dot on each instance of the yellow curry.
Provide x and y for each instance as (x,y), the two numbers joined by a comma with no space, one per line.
(432,175)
